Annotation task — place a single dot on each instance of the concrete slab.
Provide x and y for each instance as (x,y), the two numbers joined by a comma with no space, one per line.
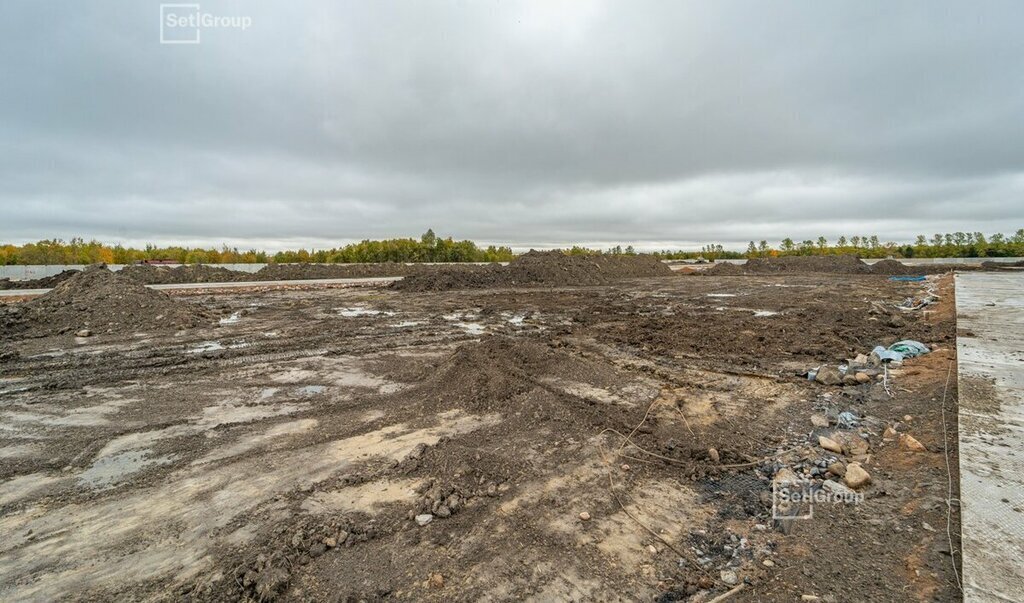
(990,353)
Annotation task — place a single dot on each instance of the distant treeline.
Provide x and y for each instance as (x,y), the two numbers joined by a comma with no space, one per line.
(431,248)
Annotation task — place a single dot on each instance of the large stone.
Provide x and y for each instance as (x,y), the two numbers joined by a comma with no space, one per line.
(909,442)
(785,476)
(837,469)
(830,444)
(856,476)
(819,420)
(862,378)
(424,519)
(852,444)
(829,375)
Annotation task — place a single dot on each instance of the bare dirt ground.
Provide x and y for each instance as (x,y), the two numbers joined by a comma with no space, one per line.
(614,442)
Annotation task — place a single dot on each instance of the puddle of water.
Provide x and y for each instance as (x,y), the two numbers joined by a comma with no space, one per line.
(473,328)
(406,323)
(213,346)
(108,471)
(230,320)
(311,390)
(358,311)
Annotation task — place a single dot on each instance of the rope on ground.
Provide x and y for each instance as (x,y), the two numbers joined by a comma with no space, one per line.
(949,482)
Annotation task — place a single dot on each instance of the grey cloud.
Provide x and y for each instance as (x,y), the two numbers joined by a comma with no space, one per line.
(531,123)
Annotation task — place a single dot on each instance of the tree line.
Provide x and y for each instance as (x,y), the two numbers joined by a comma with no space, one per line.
(428,248)
(431,248)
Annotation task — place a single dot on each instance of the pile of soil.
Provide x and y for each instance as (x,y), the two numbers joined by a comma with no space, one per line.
(47,282)
(541,268)
(989,265)
(288,272)
(191,273)
(830,264)
(100,301)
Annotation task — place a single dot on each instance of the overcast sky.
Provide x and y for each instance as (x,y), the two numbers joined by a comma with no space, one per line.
(661,124)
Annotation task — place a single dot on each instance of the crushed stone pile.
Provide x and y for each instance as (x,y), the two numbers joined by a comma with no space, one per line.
(540,268)
(99,301)
(47,282)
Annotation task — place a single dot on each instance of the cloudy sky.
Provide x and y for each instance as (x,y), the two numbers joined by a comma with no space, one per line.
(539,123)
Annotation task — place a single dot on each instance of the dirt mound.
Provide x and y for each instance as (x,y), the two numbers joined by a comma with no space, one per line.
(47,282)
(724,269)
(191,273)
(288,272)
(989,265)
(102,302)
(541,268)
(831,264)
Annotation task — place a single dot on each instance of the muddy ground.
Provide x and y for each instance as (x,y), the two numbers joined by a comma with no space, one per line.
(614,442)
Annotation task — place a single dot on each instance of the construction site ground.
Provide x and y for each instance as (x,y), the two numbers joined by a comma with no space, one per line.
(615,442)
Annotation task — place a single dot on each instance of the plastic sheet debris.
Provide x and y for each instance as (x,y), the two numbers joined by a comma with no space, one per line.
(908,279)
(847,420)
(897,352)
(909,348)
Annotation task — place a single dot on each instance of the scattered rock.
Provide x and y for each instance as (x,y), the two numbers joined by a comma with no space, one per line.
(856,477)
(713,455)
(443,511)
(819,420)
(436,581)
(889,433)
(851,443)
(729,577)
(862,378)
(625,467)
(424,519)
(837,469)
(584,516)
(910,443)
(317,549)
(768,563)
(785,476)
(837,489)
(83,333)
(829,375)
(330,542)
(830,444)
